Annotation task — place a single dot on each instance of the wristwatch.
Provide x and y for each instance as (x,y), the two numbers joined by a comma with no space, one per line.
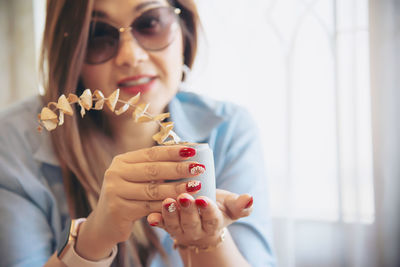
(66,249)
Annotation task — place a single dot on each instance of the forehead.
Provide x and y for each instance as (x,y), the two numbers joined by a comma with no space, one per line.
(123,9)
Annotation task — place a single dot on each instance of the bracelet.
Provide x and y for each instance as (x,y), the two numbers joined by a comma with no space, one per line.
(199,248)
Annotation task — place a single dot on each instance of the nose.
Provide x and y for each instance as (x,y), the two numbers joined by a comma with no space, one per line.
(130,53)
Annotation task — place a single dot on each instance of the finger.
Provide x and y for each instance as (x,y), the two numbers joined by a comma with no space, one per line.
(146,207)
(156,191)
(211,216)
(170,216)
(151,171)
(155,219)
(158,153)
(189,217)
(239,206)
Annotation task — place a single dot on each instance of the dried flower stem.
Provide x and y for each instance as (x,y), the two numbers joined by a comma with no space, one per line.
(49,120)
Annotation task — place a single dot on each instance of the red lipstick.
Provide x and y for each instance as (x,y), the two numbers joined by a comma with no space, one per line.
(137,84)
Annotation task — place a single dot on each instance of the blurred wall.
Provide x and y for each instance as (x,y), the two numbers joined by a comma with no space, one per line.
(17,51)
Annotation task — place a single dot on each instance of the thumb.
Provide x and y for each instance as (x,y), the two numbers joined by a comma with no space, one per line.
(239,206)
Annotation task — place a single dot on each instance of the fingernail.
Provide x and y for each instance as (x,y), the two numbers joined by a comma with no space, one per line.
(249,204)
(170,207)
(196,168)
(201,203)
(193,186)
(187,152)
(185,202)
(154,223)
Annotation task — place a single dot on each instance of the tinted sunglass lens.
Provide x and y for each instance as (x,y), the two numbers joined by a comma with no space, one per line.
(154,29)
(102,43)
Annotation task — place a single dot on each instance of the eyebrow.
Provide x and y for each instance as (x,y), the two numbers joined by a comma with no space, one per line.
(101,14)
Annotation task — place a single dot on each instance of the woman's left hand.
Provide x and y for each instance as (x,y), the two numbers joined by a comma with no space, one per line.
(200,222)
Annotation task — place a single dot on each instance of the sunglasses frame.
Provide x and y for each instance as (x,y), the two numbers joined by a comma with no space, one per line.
(177,11)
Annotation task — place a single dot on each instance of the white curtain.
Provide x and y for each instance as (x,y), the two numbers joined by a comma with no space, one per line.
(385,77)
(302,68)
(18,51)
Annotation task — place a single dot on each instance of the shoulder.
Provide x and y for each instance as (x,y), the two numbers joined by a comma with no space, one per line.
(21,115)
(208,106)
(19,125)
(19,141)
(197,117)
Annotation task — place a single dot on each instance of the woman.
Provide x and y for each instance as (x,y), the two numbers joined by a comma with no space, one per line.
(101,167)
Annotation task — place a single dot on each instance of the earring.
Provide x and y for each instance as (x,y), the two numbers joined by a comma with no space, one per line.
(185,77)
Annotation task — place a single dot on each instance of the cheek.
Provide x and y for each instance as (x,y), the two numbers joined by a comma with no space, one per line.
(173,61)
(95,76)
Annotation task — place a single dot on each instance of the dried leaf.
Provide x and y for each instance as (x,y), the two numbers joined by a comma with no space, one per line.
(159,138)
(98,95)
(167,125)
(99,100)
(122,109)
(161,117)
(99,104)
(134,99)
(72,98)
(144,118)
(61,118)
(168,143)
(164,132)
(140,111)
(176,139)
(47,114)
(50,124)
(82,110)
(112,100)
(64,105)
(86,100)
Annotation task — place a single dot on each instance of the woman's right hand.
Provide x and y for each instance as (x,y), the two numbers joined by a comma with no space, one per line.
(134,187)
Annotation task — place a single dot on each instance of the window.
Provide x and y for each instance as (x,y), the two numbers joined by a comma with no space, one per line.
(302,69)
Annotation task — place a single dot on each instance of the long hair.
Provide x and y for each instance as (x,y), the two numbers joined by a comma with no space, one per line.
(80,144)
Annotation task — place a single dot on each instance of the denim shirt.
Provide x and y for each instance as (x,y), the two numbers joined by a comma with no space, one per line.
(33,205)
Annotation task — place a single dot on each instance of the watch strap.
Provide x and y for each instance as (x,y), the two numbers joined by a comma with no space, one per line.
(70,257)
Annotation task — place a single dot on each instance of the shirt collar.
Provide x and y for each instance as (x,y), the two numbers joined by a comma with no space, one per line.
(194,118)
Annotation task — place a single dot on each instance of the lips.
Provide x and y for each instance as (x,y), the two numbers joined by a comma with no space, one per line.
(137,84)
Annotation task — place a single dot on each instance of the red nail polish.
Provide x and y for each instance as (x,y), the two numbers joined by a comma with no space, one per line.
(187,152)
(193,186)
(201,203)
(185,202)
(196,168)
(170,207)
(249,204)
(154,223)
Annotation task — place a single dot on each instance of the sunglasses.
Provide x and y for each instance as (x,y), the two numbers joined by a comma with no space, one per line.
(154,30)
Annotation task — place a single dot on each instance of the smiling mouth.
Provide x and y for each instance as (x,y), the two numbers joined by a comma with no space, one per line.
(137,82)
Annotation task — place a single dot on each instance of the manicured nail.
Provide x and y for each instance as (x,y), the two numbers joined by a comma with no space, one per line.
(201,203)
(196,168)
(187,152)
(193,186)
(249,204)
(154,223)
(170,207)
(185,202)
